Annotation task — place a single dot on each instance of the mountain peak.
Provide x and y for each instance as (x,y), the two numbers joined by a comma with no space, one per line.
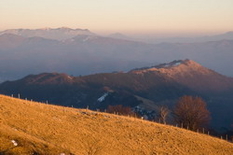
(191,74)
(178,69)
(170,65)
(49,78)
(175,63)
(65,28)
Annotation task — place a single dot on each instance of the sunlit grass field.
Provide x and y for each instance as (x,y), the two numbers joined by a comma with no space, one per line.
(28,127)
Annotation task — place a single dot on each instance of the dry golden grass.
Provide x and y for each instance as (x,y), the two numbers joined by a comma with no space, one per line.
(48,129)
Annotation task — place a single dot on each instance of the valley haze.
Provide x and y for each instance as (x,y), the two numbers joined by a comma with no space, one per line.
(82,52)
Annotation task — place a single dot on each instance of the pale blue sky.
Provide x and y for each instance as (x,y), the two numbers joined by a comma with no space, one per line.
(126,16)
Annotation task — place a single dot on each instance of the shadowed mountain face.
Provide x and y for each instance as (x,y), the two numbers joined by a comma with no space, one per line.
(162,84)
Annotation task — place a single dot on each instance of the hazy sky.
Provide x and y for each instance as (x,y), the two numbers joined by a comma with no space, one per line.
(126,16)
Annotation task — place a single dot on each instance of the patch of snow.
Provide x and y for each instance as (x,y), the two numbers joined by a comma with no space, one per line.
(172,64)
(102,98)
(69,77)
(177,64)
(14,142)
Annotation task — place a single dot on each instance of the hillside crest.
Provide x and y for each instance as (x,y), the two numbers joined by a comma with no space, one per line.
(38,128)
(174,67)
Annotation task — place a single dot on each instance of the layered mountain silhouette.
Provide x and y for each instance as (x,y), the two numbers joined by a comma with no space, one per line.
(162,85)
(81,52)
(62,33)
(224,36)
(79,55)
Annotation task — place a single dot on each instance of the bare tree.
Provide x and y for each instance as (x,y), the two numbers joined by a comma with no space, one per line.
(191,112)
(163,112)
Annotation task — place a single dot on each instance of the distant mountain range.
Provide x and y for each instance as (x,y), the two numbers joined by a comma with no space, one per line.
(62,33)
(80,55)
(157,40)
(81,52)
(161,85)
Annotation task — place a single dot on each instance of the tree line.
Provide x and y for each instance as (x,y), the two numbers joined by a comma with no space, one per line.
(189,112)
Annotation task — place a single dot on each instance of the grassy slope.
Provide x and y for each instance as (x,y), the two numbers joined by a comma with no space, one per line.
(48,129)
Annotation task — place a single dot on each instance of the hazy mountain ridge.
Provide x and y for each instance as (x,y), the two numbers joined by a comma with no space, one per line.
(85,54)
(62,33)
(162,84)
(80,55)
(9,41)
(224,36)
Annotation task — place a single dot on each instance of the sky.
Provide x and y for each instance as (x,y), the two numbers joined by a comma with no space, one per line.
(124,16)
